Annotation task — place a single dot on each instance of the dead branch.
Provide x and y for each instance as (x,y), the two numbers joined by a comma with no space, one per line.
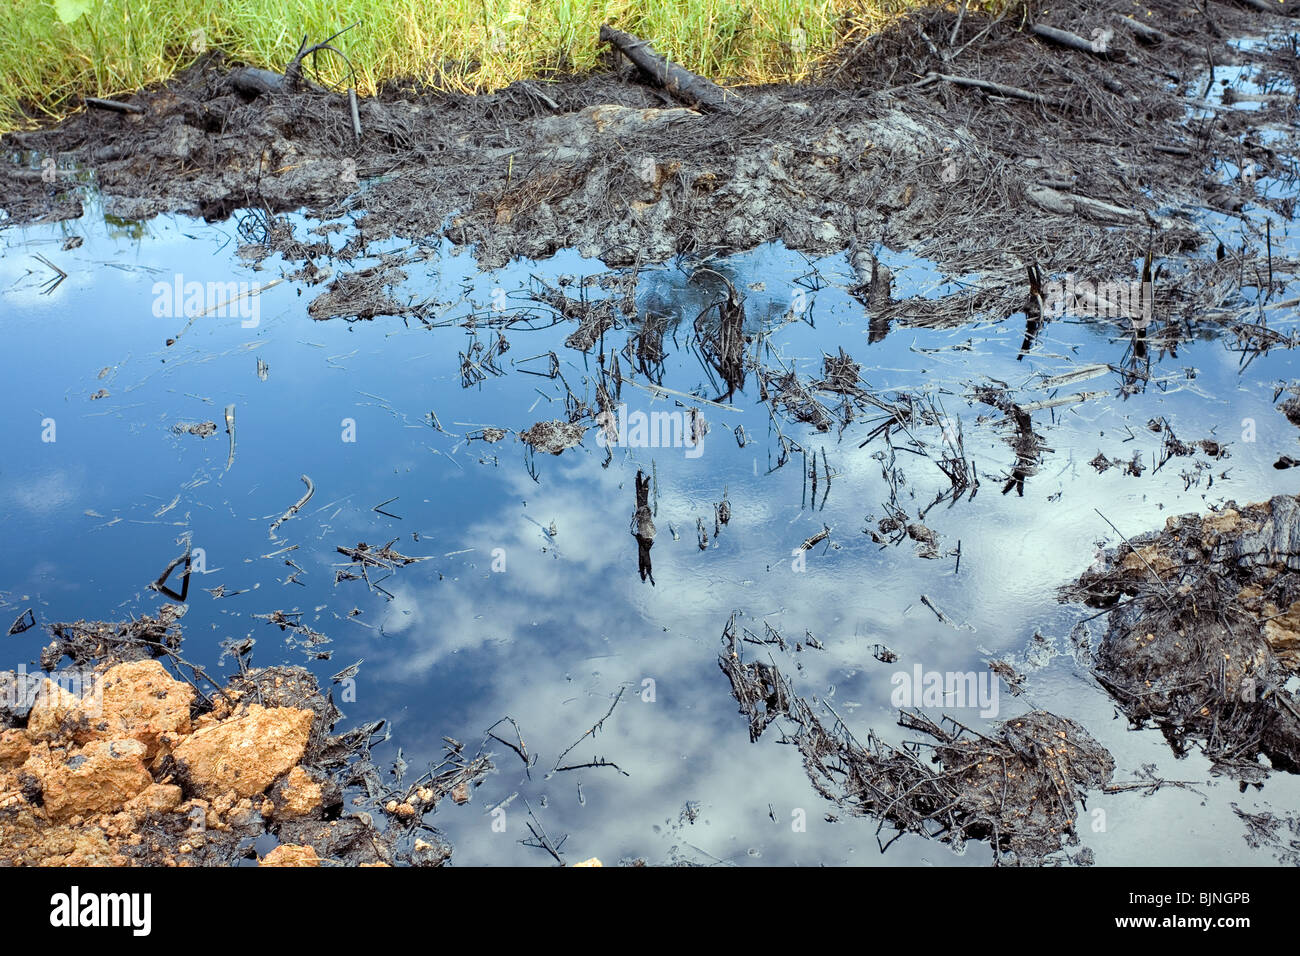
(679,82)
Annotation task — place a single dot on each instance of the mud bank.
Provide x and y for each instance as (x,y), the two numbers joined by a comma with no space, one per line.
(122,763)
(986,145)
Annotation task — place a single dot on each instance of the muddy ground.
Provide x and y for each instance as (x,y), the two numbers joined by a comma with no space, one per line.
(1080,161)
(126,755)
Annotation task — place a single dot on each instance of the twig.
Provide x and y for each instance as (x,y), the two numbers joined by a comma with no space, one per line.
(592,732)
(990,87)
(112,106)
(1164,587)
(311,490)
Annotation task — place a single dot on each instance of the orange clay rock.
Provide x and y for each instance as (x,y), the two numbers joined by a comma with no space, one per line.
(244,753)
(298,795)
(138,699)
(155,798)
(14,749)
(124,774)
(52,708)
(287,854)
(101,776)
(31,840)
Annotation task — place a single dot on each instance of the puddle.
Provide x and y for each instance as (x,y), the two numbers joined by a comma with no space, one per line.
(527,602)
(538,505)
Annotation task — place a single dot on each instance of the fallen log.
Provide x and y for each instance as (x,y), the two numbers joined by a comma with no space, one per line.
(1070,41)
(1069,204)
(679,82)
(1148,33)
(1264,6)
(253,81)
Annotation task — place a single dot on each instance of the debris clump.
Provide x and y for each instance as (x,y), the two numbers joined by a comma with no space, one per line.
(201,429)
(553,436)
(1018,789)
(1204,632)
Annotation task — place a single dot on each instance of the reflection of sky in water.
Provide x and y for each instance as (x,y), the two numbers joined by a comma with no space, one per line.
(87,523)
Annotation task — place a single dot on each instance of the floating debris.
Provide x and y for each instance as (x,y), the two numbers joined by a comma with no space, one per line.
(1018,790)
(230,430)
(296,506)
(202,429)
(22,623)
(553,437)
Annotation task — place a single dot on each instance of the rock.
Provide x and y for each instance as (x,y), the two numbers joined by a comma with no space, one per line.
(246,752)
(1143,560)
(31,840)
(299,794)
(53,707)
(153,799)
(99,777)
(14,749)
(460,793)
(434,852)
(287,854)
(403,810)
(244,814)
(138,700)
(17,694)
(1282,633)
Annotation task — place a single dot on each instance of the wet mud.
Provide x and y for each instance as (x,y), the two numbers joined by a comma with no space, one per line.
(1203,635)
(888,147)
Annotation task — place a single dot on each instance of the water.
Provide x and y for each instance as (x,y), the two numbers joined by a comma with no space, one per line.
(506,618)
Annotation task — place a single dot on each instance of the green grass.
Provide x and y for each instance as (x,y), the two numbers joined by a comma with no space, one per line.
(52,51)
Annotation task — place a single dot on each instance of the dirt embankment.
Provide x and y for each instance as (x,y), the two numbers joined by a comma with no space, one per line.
(987,144)
(123,764)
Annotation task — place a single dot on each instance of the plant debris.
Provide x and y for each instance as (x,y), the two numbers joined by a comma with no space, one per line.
(1018,789)
(1203,632)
